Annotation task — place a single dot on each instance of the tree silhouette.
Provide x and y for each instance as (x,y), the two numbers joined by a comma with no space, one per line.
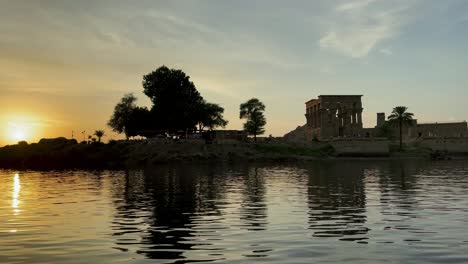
(122,114)
(141,122)
(211,116)
(253,110)
(177,106)
(175,98)
(400,117)
(99,134)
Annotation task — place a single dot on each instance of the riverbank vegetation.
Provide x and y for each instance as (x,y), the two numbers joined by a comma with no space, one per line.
(252,111)
(62,153)
(400,117)
(177,107)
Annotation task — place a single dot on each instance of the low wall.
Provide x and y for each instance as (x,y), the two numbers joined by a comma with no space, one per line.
(192,141)
(452,145)
(361,147)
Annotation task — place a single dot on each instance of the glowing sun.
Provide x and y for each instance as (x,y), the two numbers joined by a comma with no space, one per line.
(18,131)
(18,135)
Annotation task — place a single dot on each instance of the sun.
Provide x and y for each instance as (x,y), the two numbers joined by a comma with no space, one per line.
(18,135)
(18,131)
(16,127)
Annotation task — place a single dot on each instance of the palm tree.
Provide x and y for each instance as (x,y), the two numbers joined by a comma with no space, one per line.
(400,117)
(99,134)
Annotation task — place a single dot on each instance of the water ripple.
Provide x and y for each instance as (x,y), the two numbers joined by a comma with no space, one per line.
(331,211)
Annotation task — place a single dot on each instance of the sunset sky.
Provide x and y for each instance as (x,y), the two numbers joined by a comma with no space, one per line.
(66,63)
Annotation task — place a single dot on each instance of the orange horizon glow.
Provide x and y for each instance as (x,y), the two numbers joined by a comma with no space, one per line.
(21,127)
(31,127)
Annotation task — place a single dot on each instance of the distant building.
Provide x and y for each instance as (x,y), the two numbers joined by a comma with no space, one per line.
(225,135)
(434,130)
(334,116)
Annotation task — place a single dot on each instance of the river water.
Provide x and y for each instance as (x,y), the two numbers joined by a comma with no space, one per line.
(314,212)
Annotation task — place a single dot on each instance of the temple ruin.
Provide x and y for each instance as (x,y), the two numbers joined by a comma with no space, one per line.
(339,116)
(335,116)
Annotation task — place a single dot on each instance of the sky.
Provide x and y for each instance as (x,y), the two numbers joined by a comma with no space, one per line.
(66,63)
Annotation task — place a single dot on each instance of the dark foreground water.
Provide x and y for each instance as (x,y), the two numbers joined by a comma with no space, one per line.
(317,212)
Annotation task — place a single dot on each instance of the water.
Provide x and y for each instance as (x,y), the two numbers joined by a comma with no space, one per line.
(317,212)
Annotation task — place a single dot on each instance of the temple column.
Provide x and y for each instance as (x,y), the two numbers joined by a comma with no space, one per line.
(312,120)
(311,115)
(315,117)
(320,118)
(347,120)
(359,118)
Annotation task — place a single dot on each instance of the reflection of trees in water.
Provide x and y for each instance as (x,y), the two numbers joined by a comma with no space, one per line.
(337,200)
(156,209)
(253,209)
(174,202)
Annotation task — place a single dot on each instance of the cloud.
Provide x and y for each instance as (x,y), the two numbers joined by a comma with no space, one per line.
(327,70)
(386,51)
(243,47)
(354,5)
(359,26)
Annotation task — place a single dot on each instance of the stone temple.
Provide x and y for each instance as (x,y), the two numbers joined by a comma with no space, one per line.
(334,116)
(340,116)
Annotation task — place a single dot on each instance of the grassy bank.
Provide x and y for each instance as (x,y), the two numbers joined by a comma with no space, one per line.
(68,154)
(62,153)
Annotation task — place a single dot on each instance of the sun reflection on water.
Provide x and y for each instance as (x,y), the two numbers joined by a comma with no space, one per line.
(16,192)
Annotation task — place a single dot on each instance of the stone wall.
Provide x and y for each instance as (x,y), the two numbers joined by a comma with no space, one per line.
(369,132)
(361,147)
(455,129)
(415,130)
(452,145)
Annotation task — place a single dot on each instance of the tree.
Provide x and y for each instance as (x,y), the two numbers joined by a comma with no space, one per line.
(253,110)
(401,117)
(122,114)
(385,130)
(211,116)
(99,134)
(141,122)
(175,98)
